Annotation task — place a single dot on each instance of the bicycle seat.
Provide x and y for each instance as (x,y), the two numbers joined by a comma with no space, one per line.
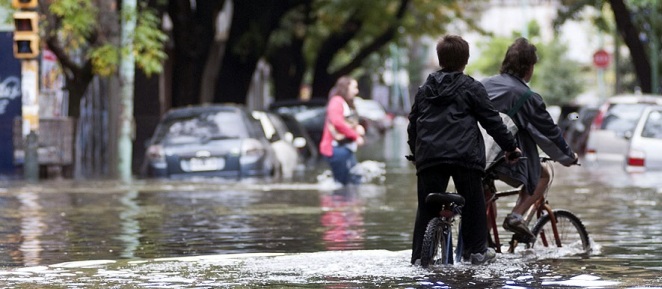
(438,199)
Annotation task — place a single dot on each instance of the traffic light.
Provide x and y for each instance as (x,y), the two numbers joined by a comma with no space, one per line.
(26,35)
(24,4)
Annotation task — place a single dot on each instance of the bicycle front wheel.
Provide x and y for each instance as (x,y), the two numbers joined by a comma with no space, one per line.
(437,244)
(571,233)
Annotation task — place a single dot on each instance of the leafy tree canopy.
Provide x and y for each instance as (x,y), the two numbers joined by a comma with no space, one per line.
(79,28)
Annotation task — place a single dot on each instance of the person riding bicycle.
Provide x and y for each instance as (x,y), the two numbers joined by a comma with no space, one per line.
(445,140)
(536,128)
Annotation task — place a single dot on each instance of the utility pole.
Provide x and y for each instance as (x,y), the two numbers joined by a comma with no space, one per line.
(127,78)
(26,48)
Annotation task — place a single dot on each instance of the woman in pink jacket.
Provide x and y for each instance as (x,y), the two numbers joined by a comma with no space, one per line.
(342,133)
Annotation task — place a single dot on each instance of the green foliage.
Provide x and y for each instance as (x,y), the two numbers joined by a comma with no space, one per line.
(105,59)
(78,21)
(556,77)
(492,52)
(148,43)
(5,12)
(80,31)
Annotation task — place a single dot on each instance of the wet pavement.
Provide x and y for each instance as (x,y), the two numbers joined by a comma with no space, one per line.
(306,233)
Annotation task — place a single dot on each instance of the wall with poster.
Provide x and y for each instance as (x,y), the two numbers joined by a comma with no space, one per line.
(10,102)
(53,101)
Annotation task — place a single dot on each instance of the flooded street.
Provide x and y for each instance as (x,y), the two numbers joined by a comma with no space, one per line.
(305,233)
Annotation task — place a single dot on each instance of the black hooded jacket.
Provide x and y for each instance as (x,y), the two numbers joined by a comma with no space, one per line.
(442,122)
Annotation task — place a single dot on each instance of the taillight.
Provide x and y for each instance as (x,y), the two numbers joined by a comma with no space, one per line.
(597,121)
(636,158)
(155,153)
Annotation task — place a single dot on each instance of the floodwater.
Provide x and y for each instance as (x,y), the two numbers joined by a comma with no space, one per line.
(306,233)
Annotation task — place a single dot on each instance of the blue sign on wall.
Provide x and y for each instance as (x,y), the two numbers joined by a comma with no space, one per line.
(10,101)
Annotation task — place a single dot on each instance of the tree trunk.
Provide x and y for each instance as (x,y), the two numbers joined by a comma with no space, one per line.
(193,35)
(630,35)
(289,61)
(290,65)
(252,24)
(91,160)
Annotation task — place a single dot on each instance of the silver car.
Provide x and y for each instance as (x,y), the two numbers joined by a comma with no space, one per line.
(645,146)
(616,117)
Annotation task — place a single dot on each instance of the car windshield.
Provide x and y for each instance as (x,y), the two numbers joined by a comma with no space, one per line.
(653,126)
(622,117)
(207,125)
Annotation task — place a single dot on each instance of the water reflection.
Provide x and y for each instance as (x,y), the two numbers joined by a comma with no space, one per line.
(342,219)
(32,227)
(130,225)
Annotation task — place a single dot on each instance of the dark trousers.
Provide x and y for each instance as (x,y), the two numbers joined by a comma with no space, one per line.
(341,163)
(468,184)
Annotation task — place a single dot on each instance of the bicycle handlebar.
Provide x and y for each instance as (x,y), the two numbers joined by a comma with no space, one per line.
(548,159)
(514,155)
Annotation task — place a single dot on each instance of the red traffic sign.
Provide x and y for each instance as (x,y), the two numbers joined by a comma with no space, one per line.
(601,58)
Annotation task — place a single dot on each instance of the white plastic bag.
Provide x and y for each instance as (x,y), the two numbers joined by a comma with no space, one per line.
(492,149)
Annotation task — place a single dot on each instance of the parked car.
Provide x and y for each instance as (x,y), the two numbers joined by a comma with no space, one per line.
(302,140)
(372,115)
(209,141)
(645,142)
(282,142)
(578,128)
(617,116)
(568,114)
(310,114)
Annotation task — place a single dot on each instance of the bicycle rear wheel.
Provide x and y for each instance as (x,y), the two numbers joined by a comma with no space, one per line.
(572,233)
(437,244)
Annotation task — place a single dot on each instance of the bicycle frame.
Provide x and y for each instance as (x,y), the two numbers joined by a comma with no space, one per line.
(540,207)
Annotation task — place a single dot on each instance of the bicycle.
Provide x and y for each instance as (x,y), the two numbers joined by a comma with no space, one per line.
(553,227)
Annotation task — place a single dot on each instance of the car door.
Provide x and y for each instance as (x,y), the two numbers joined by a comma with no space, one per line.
(645,148)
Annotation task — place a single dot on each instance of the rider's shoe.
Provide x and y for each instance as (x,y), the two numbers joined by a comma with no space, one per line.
(483,258)
(515,223)
(524,238)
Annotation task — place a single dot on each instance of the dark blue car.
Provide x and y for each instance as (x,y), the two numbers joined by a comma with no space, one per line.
(209,141)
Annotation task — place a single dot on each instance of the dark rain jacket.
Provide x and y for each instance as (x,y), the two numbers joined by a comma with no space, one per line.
(442,122)
(536,128)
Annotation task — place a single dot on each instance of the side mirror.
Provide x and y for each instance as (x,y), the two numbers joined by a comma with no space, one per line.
(573,116)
